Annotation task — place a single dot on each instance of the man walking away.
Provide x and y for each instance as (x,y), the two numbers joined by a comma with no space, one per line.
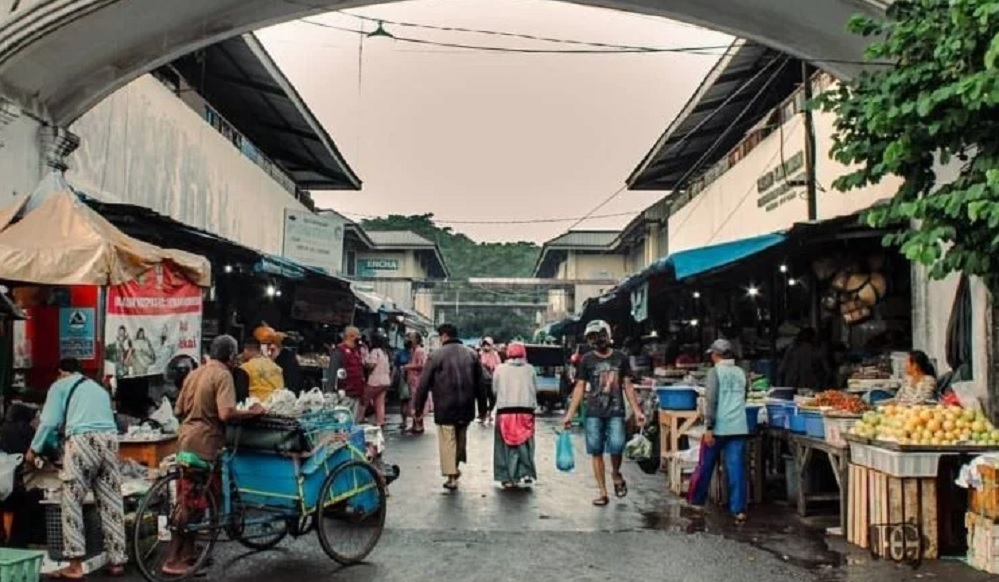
(604,379)
(727,427)
(81,409)
(348,356)
(454,377)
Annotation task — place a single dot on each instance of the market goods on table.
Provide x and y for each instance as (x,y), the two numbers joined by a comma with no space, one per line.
(927,426)
(839,401)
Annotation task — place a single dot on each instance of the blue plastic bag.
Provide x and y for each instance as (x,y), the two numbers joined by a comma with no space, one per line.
(565,459)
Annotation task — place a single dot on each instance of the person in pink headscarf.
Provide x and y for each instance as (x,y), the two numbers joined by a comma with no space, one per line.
(490,360)
(515,388)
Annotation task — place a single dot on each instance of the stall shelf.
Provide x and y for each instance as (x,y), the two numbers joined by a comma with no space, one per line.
(804,449)
(894,517)
(149,453)
(674,424)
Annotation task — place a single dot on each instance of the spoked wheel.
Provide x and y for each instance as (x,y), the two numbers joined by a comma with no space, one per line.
(155,527)
(261,529)
(350,514)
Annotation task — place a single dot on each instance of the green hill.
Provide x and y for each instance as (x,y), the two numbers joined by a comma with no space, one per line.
(465,257)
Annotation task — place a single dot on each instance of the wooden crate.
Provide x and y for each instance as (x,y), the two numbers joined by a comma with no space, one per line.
(983,542)
(878,499)
(672,426)
(148,453)
(985,501)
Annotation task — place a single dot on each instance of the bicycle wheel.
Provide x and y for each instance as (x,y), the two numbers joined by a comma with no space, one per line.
(350,514)
(154,529)
(261,529)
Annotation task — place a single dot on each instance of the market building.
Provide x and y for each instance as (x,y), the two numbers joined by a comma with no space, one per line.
(218,140)
(590,264)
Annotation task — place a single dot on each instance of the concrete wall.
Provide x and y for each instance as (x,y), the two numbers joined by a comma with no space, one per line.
(145,146)
(598,267)
(734,207)
(401,292)
(20,161)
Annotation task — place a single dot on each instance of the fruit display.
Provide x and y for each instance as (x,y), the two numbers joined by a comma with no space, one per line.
(839,402)
(938,425)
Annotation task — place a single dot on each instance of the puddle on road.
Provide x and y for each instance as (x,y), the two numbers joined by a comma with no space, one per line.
(770,531)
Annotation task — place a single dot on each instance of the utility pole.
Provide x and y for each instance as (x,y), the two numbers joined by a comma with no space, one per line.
(811,184)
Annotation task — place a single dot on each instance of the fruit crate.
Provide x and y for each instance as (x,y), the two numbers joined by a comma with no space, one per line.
(837,427)
(985,501)
(20,565)
(907,464)
(983,543)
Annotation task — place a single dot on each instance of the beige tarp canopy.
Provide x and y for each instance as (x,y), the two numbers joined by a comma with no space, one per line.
(63,241)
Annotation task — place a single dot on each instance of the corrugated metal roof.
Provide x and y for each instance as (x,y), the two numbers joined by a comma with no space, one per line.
(238,78)
(584,239)
(402,238)
(748,81)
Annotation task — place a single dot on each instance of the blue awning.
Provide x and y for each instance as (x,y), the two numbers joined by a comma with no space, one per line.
(687,264)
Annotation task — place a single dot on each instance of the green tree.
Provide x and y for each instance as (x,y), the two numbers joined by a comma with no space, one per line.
(465,257)
(930,98)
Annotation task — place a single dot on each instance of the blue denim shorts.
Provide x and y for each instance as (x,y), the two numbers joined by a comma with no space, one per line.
(604,436)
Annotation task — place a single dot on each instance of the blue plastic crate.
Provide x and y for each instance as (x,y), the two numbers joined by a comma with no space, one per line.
(815,424)
(796,421)
(777,414)
(677,398)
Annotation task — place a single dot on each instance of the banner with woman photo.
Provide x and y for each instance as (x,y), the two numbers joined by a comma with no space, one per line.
(151,321)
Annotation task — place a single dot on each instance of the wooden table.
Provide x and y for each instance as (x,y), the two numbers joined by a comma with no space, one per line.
(148,453)
(674,424)
(804,449)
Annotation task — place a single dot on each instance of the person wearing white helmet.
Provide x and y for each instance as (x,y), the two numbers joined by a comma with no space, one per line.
(604,379)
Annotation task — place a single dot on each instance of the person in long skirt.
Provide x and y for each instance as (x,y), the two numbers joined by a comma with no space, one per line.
(515,388)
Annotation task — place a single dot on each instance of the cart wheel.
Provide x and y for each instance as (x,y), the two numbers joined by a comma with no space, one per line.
(154,529)
(261,529)
(350,514)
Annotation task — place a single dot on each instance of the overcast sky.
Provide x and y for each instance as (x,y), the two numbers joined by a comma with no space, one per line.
(492,136)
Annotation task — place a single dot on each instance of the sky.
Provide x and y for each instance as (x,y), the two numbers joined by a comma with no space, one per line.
(481,136)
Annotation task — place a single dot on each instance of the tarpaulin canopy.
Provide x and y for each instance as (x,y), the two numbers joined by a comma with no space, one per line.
(8,214)
(63,241)
(687,264)
(375,302)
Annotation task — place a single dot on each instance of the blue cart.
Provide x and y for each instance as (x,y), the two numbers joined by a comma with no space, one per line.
(275,478)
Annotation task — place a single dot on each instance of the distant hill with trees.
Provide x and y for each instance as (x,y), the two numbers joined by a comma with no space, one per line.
(465,257)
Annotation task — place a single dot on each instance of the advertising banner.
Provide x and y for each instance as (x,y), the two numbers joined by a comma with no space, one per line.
(151,322)
(314,240)
(76,333)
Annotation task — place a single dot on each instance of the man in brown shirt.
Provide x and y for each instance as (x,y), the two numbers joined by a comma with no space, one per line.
(207,401)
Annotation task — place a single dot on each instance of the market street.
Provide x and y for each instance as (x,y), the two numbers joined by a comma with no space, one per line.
(552,531)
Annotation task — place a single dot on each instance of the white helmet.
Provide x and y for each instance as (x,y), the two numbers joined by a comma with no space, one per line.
(597,326)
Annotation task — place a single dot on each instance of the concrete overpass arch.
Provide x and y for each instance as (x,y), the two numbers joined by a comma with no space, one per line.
(58,58)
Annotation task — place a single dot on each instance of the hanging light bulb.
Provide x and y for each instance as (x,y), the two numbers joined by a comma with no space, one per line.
(752,291)
(792,282)
(271,291)
(697,294)
(783,268)
(228,268)
(694,323)
(278,292)
(380,31)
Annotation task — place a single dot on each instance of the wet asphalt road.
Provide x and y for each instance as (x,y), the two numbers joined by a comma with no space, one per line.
(482,533)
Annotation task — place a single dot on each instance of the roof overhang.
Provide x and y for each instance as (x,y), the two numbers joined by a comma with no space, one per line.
(243,83)
(748,81)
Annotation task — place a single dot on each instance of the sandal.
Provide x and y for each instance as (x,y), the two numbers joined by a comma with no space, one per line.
(621,488)
(115,571)
(601,501)
(451,485)
(741,518)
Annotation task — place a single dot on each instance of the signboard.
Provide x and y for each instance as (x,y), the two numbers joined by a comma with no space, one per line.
(22,343)
(777,185)
(76,333)
(323,305)
(151,321)
(314,240)
(371,267)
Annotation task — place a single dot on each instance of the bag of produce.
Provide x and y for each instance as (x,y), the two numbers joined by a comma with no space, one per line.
(638,448)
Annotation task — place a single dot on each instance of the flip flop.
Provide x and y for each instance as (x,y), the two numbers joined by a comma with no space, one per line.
(450,485)
(741,518)
(621,489)
(601,501)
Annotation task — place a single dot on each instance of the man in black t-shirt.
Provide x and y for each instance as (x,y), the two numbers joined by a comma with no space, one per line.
(603,378)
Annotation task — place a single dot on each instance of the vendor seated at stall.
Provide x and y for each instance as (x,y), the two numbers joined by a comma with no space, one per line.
(920,384)
(264,376)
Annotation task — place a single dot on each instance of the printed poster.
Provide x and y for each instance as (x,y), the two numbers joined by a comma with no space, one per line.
(76,333)
(152,321)
(22,344)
